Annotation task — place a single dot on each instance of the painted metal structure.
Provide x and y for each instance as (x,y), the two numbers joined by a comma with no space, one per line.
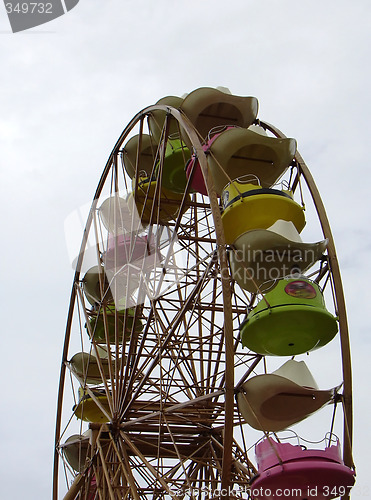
(172,422)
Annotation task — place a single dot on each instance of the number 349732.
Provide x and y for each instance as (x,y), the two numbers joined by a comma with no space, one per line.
(29,8)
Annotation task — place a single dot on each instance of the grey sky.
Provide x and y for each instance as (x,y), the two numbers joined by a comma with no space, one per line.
(69,87)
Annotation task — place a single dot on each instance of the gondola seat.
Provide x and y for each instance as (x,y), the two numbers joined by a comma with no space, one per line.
(254,207)
(193,167)
(127,248)
(145,160)
(260,257)
(290,319)
(117,217)
(118,283)
(239,151)
(173,175)
(75,450)
(208,107)
(156,205)
(125,325)
(300,474)
(275,401)
(86,367)
(156,119)
(88,410)
(96,286)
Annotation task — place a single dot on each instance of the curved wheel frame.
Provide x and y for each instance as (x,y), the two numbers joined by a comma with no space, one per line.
(222,310)
(340,302)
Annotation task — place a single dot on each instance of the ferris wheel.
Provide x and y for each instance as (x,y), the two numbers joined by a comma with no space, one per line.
(206,294)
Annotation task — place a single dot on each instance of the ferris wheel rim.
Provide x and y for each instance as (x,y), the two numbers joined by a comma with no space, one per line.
(340,300)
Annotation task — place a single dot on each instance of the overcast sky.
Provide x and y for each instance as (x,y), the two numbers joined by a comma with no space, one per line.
(68,88)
